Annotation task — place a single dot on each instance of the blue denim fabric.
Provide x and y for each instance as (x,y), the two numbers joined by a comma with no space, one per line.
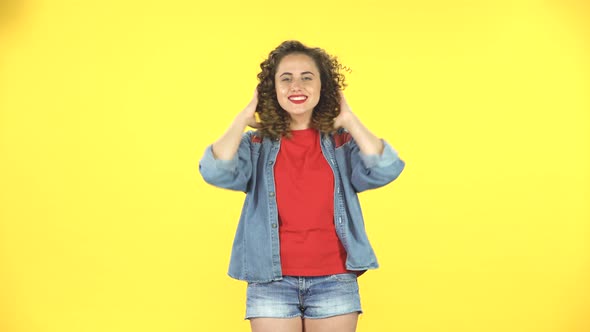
(306,297)
(256,253)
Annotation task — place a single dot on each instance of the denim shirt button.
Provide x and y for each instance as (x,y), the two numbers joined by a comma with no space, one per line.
(274,225)
(271,194)
(270,162)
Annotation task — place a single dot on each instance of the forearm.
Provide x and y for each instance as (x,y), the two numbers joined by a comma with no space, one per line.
(368,143)
(227,145)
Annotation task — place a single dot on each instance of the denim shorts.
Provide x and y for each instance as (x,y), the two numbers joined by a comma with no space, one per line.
(306,297)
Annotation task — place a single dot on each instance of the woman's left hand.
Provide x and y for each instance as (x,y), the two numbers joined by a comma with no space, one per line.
(343,119)
(368,143)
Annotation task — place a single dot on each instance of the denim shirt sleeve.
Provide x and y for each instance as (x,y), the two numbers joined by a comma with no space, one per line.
(231,174)
(375,170)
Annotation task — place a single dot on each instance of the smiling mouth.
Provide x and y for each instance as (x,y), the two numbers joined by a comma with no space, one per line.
(298,99)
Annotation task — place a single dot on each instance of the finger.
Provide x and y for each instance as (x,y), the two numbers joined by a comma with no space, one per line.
(342,98)
(255,98)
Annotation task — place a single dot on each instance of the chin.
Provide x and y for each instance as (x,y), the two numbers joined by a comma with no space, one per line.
(299,112)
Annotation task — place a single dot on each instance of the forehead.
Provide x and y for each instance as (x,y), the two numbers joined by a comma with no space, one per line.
(296,63)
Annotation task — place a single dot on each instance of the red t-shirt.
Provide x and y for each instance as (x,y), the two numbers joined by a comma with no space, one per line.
(305,199)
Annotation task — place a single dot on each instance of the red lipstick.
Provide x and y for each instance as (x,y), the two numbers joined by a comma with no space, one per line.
(297,99)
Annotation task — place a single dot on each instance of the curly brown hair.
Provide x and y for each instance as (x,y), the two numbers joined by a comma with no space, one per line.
(274,119)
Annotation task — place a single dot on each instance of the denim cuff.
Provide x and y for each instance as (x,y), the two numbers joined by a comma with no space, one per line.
(226,165)
(386,158)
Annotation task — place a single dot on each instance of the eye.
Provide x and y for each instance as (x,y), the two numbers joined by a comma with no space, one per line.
(307,78)
(285,79)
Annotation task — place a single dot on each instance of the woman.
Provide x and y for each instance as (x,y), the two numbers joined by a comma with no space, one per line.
(300,242)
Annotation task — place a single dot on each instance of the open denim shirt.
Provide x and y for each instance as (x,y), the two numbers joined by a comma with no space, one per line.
(256,253)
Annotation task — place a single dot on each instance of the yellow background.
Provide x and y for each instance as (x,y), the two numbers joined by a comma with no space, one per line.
(106,107)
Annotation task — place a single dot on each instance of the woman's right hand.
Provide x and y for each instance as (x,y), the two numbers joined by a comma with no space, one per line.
(248,114)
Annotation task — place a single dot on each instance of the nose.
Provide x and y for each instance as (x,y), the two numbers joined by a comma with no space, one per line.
(295,86)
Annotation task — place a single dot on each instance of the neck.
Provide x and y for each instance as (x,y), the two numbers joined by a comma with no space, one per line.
(299,123)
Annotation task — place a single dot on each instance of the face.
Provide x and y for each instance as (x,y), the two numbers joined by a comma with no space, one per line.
(298,85)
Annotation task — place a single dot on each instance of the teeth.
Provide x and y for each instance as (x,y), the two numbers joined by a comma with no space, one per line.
(298,98)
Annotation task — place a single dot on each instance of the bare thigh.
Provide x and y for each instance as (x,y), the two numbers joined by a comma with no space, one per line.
(340,323)
(276,324)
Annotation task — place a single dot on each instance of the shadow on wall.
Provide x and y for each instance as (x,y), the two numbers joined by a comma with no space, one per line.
(11,19)
(10,11)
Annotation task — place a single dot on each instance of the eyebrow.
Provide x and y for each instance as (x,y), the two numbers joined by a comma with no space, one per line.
(303,73)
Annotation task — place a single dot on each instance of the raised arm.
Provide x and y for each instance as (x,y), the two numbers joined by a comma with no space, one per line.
(374,162)
(227,145)
(226,163)
(368,143)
